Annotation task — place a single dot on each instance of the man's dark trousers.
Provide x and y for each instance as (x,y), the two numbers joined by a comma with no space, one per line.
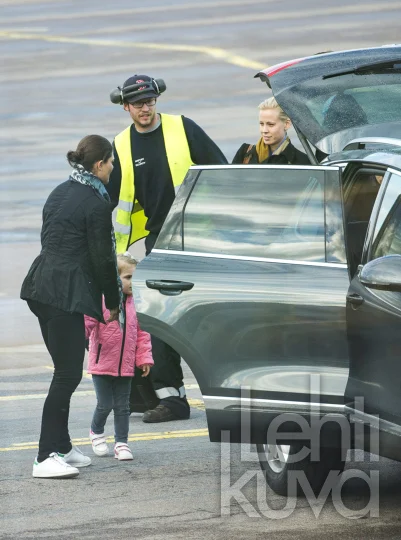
(167,376)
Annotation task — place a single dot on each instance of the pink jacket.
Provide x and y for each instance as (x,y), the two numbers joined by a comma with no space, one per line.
(116,352)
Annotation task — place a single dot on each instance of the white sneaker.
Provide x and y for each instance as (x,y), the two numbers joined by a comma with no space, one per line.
(53,467)
(122,452)
(76,458)
(99,444)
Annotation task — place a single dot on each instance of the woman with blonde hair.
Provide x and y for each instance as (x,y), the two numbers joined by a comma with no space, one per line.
(274,146)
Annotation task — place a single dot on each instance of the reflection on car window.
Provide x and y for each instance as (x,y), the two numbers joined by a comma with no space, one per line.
(388,240)
(356,106)
(258,212)
(386,218)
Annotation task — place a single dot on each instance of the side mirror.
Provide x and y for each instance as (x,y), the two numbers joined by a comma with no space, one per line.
(383,274)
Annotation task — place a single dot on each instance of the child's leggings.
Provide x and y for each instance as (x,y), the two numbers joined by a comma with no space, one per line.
(113,393)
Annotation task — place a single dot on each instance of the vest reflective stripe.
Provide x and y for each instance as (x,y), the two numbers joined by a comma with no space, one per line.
(121,229)
(131,220)
(169,391)
(125,206)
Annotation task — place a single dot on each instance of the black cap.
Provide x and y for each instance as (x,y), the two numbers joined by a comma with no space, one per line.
(139,91)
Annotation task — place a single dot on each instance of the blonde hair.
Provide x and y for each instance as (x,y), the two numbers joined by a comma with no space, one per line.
(271,103)
(126,258)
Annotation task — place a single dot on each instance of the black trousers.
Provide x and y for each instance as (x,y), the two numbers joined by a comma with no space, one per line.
(64,336)
(167,376)
(167,372)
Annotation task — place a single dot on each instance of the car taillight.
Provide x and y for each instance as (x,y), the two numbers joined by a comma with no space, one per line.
(269,72)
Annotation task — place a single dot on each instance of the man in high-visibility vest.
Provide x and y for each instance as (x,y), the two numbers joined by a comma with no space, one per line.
(151,159)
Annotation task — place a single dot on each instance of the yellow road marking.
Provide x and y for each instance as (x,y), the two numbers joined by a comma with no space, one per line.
(134,437)
(84,373)
(195,403)
(23,349)
(213,52)
(244,18)
(132,11)
(21,397)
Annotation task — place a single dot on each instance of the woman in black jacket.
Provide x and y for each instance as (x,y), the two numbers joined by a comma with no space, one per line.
(274,146)
(77,264)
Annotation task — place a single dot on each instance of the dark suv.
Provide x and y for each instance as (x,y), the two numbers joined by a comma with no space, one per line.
(280,286)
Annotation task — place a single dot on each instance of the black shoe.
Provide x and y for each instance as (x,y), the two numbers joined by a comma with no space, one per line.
(160,414)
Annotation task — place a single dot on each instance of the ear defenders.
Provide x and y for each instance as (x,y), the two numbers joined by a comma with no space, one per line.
(120,95)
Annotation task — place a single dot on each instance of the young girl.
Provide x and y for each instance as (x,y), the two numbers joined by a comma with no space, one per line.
(113,355)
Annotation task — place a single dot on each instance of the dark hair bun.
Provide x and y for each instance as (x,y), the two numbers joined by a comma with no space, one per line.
(73,157)
(90,149)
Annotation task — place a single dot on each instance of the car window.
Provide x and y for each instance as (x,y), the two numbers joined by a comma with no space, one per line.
(370,105)
(258,212)
(387,234)
(360,190)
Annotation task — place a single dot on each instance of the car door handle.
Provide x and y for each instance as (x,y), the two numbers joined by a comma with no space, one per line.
(169,287)
(355,299)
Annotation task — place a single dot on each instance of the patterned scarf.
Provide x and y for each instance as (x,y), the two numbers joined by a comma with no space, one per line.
(264,152)
(81,175)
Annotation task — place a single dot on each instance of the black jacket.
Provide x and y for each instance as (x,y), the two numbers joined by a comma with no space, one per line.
(76,265)
(290,156)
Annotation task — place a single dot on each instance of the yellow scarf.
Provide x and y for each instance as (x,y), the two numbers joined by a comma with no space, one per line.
(263,150)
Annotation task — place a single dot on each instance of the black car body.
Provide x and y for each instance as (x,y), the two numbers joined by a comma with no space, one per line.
(280,286)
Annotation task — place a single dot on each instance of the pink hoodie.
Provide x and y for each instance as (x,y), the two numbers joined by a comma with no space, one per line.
(116,352)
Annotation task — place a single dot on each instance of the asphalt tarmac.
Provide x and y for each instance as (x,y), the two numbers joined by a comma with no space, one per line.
(60,60)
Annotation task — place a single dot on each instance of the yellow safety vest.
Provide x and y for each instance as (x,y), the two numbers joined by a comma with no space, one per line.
(131,220)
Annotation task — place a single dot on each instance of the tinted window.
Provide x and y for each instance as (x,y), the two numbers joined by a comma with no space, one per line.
(170,237)
(324,106)
(387,235)
(356,106)
(258,212)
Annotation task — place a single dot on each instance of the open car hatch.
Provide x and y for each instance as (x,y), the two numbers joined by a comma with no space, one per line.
(333,98)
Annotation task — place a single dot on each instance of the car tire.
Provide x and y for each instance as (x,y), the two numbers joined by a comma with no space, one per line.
(276,464)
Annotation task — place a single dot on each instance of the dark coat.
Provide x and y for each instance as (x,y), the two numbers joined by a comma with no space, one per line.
(77,263)
(290,156)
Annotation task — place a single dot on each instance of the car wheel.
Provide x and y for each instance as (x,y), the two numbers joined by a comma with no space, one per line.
(276,463)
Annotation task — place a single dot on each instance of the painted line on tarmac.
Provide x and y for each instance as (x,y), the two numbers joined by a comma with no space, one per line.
(22,397)
(79,393)
(132,11)
(194,403)
(213,52)
(268,16)
(252,15)
(85,374)
(23,349)
(134,437)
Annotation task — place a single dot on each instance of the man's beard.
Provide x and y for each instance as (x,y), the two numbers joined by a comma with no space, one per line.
(146,120)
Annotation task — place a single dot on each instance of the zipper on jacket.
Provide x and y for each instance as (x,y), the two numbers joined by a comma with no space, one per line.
(99,348)
(123,342)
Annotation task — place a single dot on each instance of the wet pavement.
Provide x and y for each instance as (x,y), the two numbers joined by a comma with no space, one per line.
(60,60)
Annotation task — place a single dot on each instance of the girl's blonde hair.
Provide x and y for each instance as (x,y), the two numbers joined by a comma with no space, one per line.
(271,103)
(126,258)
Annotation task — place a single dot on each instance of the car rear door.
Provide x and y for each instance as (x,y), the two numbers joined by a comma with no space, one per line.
(247,282)
(374,323)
